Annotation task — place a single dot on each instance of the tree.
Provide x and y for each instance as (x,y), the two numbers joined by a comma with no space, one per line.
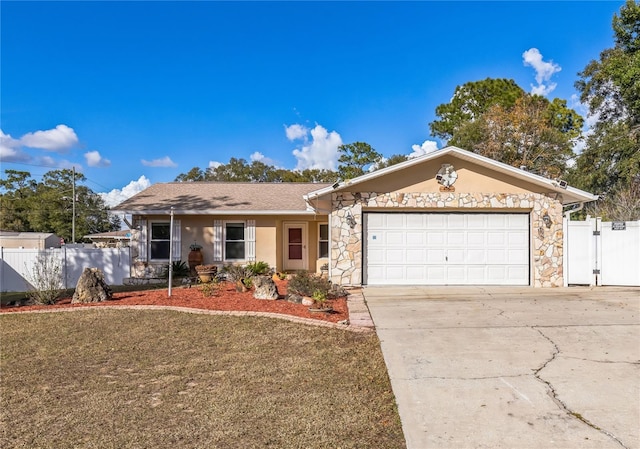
(355,158)
(47,206)
(195,174)
(391,160)
(533,133)
(610,161)
(470,101)
(611,86)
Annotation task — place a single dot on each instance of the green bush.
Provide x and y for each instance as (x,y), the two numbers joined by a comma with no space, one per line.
(179,268)
(258,268)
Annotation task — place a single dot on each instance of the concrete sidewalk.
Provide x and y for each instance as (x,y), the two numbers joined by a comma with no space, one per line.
(512,367)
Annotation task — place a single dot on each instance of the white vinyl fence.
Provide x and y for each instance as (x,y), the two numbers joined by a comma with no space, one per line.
(602,253)
(17,264)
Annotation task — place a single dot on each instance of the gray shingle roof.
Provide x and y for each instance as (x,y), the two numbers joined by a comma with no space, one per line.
(220,197)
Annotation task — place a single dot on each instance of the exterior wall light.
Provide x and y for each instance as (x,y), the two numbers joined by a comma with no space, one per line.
(350,220)
(547,220)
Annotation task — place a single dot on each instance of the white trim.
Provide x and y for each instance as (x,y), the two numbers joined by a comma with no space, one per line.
(215,212)
(224,240)
(217,241)
(143,251)
(320,241)
(552,185)
(250,240)
(150,240)
(304,264)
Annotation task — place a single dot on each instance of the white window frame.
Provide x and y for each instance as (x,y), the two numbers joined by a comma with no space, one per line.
(320,256)
(151,240)
(224,239)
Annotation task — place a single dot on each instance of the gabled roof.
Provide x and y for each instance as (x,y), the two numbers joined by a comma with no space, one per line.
(220,198)
(570,194)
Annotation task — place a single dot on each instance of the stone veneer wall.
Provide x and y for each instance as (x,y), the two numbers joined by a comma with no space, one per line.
(346,242)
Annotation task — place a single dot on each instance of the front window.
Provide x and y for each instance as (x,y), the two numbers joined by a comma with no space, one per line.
(323,240)
(160,241)
(234,243)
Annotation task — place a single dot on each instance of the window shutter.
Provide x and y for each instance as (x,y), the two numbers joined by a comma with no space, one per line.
(217,241)
(142,240)
(250,240)
(175,240)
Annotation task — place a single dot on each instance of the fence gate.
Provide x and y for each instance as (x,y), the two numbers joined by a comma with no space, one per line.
(602,253)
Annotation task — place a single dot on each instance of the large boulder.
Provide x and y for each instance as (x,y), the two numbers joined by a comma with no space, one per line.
(91,287)
(265,288)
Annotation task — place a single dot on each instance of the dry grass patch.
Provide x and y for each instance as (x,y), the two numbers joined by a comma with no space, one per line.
(161,379)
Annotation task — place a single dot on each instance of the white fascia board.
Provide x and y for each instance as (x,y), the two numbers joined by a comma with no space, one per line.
(216,212)
(575,194)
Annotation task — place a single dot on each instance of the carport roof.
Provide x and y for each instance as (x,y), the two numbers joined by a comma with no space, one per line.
(570,195)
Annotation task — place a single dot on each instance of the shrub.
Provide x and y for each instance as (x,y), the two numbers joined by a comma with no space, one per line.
(235,273)
(45,279)
(305,284)
(179,268)
(258,268)
(210,288)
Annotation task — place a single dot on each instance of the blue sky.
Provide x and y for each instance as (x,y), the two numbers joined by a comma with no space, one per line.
(133,93)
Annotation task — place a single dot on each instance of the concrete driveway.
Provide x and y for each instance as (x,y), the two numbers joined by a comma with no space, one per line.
(501,367)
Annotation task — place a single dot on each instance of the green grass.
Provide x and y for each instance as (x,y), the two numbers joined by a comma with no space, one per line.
(161,379)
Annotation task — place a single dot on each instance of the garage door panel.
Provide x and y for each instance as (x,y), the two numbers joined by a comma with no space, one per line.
(435,256)
(416,256)
(394,256)
(455,238)
(447,249)
(415,238)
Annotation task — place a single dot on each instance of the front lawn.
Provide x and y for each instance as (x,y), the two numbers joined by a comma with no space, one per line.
(161,379)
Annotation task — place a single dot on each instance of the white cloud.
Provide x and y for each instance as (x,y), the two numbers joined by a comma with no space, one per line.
(258,156)
(544,71)
(60,138)
(321,152)
(296,131)
(162,162)
(94,159)
(428,146)
(589,123)
(214,164)
(117,196)
(10,149)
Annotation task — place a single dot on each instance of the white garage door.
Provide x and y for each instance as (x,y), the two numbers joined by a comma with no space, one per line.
(446,249)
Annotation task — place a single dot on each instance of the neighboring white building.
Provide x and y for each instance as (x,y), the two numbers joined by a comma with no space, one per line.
(29,240)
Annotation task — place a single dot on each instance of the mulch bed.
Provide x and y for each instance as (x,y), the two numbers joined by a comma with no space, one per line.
(227,299)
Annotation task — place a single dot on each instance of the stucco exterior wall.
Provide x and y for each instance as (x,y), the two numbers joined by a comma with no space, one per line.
(546,242)
(269,236)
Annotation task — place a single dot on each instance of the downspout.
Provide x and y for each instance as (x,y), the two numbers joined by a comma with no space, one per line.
(565,233)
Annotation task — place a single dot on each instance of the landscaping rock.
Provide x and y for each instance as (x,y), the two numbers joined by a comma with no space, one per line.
(265,288)
(294,298)
(91,287)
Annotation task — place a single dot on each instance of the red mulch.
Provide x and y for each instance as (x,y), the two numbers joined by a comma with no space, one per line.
(227,299)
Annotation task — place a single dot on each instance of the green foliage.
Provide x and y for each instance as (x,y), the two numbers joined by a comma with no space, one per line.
(526,135)
(622,204)
(47,206)
(356,158)
(46,279)
(610,161)
(611,86)
(258,268)
(180,268)
(235,273)
(470,101)
(239,170)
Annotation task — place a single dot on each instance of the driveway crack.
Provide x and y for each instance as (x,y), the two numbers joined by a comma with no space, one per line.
(554,397)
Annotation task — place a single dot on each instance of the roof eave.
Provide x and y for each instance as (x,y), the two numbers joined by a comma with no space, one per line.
(214,212)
